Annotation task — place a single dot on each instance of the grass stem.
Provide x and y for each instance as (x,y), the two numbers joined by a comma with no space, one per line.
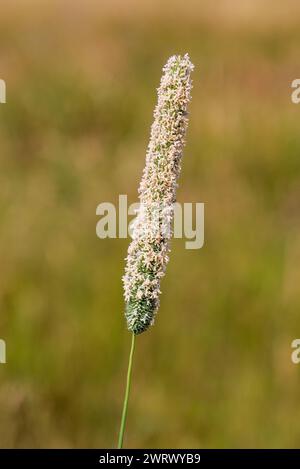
(127,391)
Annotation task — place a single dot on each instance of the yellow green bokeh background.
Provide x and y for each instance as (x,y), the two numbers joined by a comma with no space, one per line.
(215,370)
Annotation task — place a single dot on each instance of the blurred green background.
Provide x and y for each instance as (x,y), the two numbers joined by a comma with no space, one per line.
(215,370)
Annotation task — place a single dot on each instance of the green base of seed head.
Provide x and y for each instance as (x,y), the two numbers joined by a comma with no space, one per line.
(140,314)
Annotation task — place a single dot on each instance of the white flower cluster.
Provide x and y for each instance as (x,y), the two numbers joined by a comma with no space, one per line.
(148,252)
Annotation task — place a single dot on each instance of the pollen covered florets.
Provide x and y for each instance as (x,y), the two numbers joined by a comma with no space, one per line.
(148,252)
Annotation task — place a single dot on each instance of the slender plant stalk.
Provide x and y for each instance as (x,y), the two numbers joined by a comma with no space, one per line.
(127,391)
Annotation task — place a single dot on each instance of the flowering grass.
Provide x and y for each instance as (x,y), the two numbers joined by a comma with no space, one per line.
(148,252)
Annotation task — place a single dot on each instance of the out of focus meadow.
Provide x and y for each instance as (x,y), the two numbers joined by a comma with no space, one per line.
(215,370)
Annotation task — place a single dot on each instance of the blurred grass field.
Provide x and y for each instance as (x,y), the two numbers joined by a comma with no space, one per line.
(215,370)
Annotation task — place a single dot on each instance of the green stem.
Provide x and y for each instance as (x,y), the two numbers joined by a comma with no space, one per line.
(125,405)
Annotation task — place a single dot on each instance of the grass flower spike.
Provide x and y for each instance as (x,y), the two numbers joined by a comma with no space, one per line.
(148,252)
